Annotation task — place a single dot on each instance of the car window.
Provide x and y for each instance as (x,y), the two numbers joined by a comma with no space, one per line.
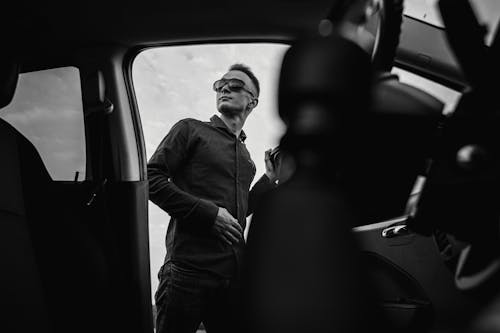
(448,96)
(487,12)
(47,109)
(172,83)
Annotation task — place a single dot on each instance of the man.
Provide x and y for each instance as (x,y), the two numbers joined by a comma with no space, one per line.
(201,174)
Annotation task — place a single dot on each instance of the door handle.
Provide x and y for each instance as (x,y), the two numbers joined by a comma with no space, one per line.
(395,231)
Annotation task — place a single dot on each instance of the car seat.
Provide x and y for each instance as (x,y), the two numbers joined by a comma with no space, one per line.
(54,275)
(22,293)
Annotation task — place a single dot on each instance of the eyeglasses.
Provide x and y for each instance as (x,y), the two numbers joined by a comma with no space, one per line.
(233,84)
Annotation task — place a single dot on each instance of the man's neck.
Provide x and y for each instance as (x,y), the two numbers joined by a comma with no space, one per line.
(234,123)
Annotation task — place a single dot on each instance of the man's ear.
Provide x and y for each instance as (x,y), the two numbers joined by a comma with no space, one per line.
(254,103)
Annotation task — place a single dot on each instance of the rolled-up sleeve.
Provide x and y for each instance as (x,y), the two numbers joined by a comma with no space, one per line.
(167,160)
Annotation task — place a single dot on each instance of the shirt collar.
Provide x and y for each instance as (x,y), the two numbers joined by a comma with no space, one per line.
(219,123)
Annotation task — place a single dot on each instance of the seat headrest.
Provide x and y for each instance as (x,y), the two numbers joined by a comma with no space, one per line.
(9,74)
(331,71)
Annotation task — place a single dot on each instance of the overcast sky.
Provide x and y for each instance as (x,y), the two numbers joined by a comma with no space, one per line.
(173,83)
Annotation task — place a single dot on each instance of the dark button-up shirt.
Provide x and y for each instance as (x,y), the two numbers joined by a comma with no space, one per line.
(197,168)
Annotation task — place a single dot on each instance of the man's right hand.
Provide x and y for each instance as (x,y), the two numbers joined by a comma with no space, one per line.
(227,227)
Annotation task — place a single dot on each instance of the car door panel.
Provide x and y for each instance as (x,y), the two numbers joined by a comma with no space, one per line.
(419,258)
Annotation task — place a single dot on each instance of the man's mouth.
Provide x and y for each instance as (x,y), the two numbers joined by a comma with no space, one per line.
(224,98)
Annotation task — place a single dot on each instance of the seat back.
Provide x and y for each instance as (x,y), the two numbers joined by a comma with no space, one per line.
(23,301)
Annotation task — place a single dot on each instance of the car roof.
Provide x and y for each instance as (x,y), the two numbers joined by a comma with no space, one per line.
(38,31)
(147,22)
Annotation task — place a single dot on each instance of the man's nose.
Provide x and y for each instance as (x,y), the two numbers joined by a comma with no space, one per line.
(225,89)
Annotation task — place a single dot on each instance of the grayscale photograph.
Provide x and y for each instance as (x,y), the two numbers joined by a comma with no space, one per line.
(279,166)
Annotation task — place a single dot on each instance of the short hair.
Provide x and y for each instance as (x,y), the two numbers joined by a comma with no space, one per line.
(245,69)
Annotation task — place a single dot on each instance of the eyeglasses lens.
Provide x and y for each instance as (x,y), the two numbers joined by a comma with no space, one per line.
(233,84)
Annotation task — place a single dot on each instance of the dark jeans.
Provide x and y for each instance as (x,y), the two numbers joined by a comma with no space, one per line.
(185,298)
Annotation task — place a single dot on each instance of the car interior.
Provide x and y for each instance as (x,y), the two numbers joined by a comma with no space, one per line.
(74,229)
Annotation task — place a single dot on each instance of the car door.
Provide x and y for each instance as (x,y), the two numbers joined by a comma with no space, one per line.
(414,273)
(417,288)
(81,231)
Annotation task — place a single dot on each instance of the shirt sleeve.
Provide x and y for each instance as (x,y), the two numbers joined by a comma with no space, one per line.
(262,186)
(170,155)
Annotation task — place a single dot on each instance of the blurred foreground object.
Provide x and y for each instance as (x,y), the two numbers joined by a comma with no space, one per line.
(303,266)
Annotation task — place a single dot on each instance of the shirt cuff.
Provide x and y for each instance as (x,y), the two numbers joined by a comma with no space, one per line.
(264,183)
